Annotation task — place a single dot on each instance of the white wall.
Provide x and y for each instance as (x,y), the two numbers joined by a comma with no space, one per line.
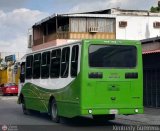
(138,27)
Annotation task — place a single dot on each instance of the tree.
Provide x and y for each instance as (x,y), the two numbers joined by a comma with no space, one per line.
(155,9)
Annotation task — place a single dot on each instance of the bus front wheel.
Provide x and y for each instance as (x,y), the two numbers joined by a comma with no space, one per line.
(54,112)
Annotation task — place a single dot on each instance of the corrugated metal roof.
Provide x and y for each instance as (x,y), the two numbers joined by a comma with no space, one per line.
(75,15)
(45,19)
(151,52)
(110,13)
(151,40)
(90,15)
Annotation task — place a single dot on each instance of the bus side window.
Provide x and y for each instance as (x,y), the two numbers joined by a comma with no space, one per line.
(65,62)
(55,63)
(74,60)
(29,64)
(36,66)
(45,64)
(22,74)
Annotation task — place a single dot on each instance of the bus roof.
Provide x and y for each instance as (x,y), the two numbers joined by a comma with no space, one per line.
(118,41)
(54,47)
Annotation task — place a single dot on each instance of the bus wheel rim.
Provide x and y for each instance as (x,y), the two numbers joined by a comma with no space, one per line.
(54,111)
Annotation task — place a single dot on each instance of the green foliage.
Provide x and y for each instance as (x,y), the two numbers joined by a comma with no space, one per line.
(155,9)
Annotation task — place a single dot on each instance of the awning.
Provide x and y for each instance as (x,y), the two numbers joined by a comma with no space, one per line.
(151,52)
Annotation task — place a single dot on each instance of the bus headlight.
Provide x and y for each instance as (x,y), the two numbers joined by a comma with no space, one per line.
(89,111)
(136,110)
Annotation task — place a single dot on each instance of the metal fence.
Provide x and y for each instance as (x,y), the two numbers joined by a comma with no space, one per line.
(152,87)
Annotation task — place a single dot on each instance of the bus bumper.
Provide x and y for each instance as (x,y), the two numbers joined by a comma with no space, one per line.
(122,111)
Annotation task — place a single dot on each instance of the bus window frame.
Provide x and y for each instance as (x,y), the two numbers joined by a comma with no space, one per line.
(77,62)
(64,62)
(35,60)
(45,65)
(115,67)
(30,67)
(52,58)
(22,75)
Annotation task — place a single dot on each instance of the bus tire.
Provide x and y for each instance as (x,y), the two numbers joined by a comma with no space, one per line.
(24,109)
(104,117)
(54,112)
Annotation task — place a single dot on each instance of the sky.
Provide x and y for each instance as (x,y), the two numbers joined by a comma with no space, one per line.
(18,16)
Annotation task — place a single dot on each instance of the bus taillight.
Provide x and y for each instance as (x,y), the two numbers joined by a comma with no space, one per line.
(95,75)
(133,75)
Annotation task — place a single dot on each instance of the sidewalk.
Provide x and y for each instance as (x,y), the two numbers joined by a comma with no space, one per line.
(151,116)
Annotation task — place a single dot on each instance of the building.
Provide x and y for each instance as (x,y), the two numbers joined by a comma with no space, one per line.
(104,24)
(60,29)
(151,66)
(137,25)
(10,74)
(18,55)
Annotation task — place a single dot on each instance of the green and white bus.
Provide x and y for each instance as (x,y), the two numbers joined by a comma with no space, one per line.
(89,77)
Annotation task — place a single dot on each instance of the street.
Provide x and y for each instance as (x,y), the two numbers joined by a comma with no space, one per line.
(11,114)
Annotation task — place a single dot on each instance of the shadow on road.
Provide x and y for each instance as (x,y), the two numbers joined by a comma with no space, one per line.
(76,121)
(86,121)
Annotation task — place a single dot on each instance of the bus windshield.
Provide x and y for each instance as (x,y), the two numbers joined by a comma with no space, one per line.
(112,56)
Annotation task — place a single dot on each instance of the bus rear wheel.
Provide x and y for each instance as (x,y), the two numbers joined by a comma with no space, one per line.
(54,112)
(104,118)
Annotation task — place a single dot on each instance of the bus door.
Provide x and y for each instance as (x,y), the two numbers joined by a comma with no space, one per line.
(22,77)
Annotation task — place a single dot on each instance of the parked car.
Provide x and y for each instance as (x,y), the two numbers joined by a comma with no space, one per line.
(10,88)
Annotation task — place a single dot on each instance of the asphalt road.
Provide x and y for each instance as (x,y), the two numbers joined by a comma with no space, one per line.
(11,115)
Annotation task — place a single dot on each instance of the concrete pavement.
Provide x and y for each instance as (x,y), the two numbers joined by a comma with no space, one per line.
(151,116)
